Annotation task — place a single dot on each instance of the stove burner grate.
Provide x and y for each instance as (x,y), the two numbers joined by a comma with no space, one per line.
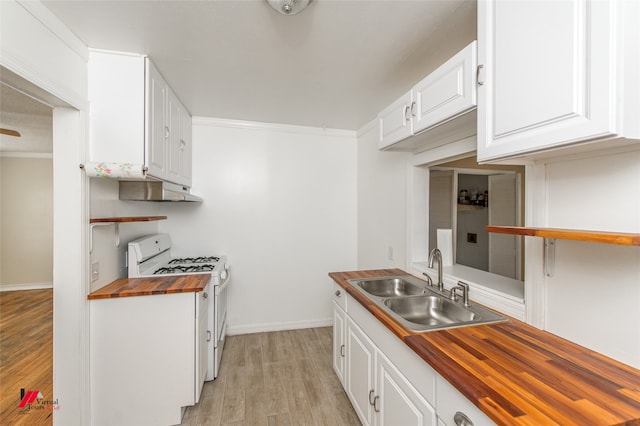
(184,269)
(192,260)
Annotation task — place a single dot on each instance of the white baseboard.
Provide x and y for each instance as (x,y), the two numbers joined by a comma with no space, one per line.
(26,286)
(276,326)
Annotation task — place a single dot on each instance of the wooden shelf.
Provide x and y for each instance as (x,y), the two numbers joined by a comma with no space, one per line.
(116,221)
(127,219)
(570,234)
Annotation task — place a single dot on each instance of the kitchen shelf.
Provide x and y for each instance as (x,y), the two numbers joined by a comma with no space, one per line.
(127,219)
(116,221)
(625,239)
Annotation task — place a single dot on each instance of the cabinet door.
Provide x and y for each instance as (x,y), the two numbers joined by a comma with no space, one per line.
(186,146)
(397,401)
(395,121)
(202,314)
(547,76)
(157,125)
(360,373)
(174,160)
(447,92)
(339,342)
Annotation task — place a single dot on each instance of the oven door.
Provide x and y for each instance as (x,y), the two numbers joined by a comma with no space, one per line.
(219,348)
(218,324)
(221,306)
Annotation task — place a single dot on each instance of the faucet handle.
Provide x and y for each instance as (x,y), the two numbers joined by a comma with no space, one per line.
(465,292)
(452,293)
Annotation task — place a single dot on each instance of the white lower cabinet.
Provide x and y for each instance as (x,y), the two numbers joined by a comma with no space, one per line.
(454,409)
(339,342)
(148,358)
(379,390)
(360,373)
(380,394)
(399,402)
(386,382)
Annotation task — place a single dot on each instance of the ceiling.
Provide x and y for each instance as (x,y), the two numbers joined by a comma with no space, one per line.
(31,118)
(334,65)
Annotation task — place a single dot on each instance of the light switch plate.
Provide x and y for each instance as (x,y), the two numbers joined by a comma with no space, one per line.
(95,271)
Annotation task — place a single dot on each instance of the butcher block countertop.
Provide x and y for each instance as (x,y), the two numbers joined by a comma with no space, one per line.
(127,287)
(518,374)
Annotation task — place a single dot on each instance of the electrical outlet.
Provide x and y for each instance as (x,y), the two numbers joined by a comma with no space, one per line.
(390,253)
(95,271)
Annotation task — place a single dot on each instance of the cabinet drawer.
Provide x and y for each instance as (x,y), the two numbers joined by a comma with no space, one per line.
(450,402)
(340,296)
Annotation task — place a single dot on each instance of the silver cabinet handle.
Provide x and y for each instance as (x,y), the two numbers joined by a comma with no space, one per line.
(205,295)
(370,396)
(480,83)
(461,419)
(342,350)
(208,335)
(166,131)
(413,105)
(375,404)
(338,293)
(405,113)
(183,144)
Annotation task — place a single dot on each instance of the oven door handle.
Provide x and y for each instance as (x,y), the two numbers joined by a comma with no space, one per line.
(224,285)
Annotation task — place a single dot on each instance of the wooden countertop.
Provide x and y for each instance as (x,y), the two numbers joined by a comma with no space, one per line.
(128,287)
(518,374)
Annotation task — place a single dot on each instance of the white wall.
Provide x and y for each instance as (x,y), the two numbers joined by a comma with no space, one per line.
(26,212)
(280,202)
(593,297)
(42,58)
(105,203)
(382,204)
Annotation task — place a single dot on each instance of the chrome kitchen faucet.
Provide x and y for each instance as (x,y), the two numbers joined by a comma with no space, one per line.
(437,255)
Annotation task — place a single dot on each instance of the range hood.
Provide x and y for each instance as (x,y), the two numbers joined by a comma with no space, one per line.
(150,190)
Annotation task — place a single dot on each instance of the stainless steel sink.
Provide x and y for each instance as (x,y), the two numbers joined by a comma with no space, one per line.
(430,310)
(389,287)
(419,307)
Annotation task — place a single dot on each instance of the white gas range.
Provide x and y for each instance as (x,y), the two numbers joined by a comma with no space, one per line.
(150,256)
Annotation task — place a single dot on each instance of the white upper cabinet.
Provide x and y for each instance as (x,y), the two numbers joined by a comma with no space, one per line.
(447,92)
(157,123)
(394,122)
(555,73)
(136,118)
(177,142)
(443,95)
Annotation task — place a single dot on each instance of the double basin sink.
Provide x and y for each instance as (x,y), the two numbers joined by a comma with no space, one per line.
(419,307)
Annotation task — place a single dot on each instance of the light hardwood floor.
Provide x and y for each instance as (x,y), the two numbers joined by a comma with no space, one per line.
(26,354)
(274,379)
(271,379)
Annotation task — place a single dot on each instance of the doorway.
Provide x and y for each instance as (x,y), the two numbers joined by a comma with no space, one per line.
(70,248)
(26,265)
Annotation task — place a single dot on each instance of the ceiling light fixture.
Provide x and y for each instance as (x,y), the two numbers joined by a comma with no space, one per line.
(288,7)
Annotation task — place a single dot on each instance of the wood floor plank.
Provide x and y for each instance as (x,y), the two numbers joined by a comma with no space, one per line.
(26,354)
(279,420)
(279,378)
